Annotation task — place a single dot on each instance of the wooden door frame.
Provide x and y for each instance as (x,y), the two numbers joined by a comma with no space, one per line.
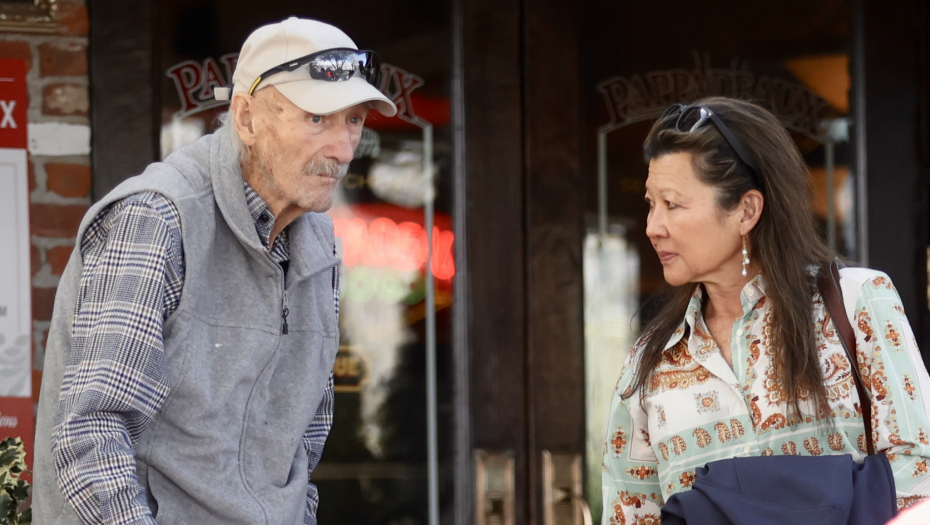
(554,212)
(125,90)
(489,220)
(520,347)
(890,98)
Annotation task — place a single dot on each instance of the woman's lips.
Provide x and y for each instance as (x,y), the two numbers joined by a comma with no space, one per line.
(666,257)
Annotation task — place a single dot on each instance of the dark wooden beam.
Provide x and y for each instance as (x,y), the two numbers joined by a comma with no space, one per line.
(492,183)
(555,230)
(895,190)
(124,99)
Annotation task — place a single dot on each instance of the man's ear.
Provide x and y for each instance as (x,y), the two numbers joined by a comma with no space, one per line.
(243,109)
(750,208)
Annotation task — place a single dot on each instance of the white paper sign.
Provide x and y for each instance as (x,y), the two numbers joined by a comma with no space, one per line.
(15,276)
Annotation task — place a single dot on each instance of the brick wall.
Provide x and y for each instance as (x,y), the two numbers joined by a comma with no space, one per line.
(59,152)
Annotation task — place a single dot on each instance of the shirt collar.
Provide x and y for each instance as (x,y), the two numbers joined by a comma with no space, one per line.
(261,216)
(750,295)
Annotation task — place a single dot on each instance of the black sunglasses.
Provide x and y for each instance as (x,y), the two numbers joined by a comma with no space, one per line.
(333,65)
(690,118)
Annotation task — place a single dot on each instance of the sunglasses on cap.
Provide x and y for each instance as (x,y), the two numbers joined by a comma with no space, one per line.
(332,65)
(691,118)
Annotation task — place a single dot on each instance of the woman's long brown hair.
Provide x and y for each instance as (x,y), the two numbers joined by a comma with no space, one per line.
(784,242)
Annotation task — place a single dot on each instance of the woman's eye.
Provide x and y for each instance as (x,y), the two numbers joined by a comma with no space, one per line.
(316,119)
(670,205)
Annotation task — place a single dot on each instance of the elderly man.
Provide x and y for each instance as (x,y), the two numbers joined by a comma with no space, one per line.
(188,375)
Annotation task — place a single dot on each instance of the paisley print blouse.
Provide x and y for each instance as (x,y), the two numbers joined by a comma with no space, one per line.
(698,409)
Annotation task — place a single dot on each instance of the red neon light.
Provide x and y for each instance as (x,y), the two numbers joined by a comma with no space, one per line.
(436,111)
(383,242)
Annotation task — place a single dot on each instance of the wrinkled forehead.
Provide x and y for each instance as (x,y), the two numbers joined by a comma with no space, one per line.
(271,103)
(285,119)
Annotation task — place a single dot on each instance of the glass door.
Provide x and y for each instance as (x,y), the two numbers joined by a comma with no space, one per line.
(636,60)
(387,460)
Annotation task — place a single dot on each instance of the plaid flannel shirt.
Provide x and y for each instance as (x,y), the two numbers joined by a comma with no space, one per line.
(116,378)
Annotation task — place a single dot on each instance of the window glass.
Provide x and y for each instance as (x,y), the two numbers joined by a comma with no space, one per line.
(374,468)
(637,58)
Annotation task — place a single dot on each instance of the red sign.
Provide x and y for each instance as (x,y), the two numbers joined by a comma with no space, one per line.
(14,101)
(15,412)
(16,421)
(380,235)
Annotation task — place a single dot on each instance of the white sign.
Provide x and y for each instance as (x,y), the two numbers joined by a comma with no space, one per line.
(15,276)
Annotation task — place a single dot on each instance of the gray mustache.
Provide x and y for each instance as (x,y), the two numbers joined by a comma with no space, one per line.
(329,167)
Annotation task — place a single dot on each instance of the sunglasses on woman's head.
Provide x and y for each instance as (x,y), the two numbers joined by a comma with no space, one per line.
(691,118)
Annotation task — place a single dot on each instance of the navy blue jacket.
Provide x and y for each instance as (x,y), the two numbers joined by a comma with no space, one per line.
(787,490)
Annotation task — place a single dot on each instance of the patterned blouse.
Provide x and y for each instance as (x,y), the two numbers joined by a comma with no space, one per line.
(697,408)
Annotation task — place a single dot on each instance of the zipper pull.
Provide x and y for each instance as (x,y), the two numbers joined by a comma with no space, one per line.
(284,313)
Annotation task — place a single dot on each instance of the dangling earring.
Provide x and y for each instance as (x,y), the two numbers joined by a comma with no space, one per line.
(745,271)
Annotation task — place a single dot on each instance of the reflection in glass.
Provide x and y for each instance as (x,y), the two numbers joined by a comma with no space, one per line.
(611,274)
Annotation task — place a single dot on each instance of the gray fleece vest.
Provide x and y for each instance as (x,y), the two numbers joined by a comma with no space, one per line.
(225,447)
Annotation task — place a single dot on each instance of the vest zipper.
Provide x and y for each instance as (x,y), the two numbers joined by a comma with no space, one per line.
(284,313)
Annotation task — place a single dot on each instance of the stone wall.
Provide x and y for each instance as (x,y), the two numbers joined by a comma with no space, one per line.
(59,152)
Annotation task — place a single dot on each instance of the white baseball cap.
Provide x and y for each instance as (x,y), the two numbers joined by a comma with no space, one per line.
(277,44)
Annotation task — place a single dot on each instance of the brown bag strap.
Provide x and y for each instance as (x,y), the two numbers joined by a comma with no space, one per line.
(828,281)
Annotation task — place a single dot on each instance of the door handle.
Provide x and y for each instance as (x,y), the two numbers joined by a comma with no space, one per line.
(585,510)
(494,487)
(563,502)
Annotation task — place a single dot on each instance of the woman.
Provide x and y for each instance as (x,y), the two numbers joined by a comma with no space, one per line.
(743,360)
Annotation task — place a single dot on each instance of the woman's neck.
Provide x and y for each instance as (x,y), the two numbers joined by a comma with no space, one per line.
(722,300)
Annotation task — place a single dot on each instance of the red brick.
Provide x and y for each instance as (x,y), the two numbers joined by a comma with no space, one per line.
(65,99)
(58,257)
(43,302)
(16,49)
(36,385)
(72,19)
(35,258)
(43,345)
(62,59)
(55,220)
(68,180)
(32,174)
(37,374)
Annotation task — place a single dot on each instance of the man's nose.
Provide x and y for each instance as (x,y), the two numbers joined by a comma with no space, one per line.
(344,143)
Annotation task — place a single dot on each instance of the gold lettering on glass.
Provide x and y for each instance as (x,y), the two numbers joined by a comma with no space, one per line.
(28,16)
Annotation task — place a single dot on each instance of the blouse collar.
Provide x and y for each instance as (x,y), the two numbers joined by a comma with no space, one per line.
(750,295)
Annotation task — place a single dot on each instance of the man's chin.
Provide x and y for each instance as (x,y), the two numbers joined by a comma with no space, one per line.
(318,204)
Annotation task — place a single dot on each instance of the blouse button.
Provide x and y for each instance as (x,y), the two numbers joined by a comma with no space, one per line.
(747,449)
(739,332)
(749,293)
